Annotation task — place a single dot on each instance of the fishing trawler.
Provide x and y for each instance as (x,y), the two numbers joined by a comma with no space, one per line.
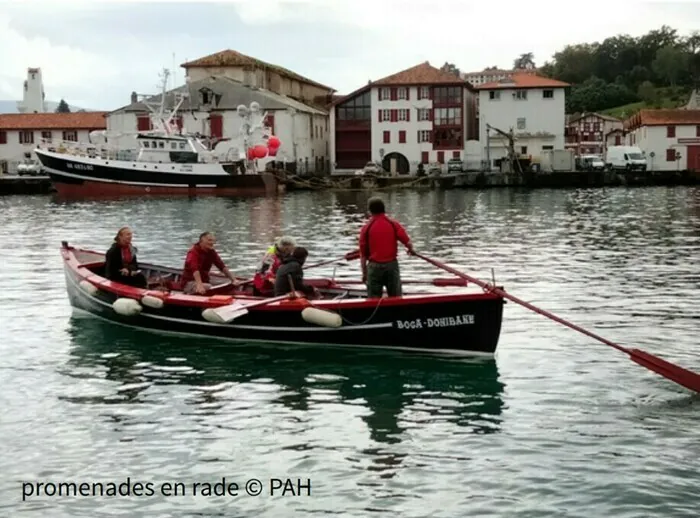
(167,162)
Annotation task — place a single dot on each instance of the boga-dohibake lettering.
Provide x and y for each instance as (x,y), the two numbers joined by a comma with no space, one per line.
(418,323)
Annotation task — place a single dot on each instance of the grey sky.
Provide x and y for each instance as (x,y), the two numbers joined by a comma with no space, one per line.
(94,54)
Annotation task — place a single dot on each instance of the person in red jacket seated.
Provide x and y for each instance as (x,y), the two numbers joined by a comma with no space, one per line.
(379,249)
(264,279)
(200,258)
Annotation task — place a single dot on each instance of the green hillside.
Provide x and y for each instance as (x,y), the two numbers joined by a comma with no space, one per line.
(624,73)
(665,97)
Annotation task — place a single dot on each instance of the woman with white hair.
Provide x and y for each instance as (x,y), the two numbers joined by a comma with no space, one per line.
(264,279)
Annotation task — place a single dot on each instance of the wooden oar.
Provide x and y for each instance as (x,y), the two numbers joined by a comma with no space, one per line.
(684,377)
(350,256)
(438,281)
(355,254)
(230,312)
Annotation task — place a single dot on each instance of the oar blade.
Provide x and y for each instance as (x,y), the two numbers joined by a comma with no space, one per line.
(675,373)
(225,314)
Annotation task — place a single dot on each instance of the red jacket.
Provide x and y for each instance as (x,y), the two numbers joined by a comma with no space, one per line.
(378,239)
(200,260)
(264,279)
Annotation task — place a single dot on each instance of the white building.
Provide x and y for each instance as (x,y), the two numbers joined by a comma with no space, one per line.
(531,105)
(672,136)
(33,95)
(420,115)
(20,133)
(210,110)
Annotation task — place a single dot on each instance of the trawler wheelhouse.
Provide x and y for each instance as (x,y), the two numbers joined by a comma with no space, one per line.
(170,148)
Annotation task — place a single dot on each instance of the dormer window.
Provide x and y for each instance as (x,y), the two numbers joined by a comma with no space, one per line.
(207,96)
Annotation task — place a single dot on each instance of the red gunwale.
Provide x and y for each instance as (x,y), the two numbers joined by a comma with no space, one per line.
(215,301)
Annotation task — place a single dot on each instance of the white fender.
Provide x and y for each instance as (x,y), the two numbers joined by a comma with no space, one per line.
(152,302)
(127,307)
(212,316)
(321,317)
(89,287)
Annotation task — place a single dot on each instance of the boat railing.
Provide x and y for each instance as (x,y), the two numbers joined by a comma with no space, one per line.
(81,149)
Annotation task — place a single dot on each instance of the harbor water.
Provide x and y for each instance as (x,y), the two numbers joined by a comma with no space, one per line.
(555,425)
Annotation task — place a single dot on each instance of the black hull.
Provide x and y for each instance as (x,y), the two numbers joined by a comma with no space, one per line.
(70,174)
(464,326)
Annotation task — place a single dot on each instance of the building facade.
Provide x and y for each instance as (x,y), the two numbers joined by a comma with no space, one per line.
(258,74)
(531,105)
(21,133)
(421,115)
(670,139)
(587,134)
(210,110)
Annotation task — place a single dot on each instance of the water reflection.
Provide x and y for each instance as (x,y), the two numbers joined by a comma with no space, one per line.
(394,392)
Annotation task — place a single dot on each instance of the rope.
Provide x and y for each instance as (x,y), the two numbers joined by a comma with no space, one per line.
(376,308)
(337,185)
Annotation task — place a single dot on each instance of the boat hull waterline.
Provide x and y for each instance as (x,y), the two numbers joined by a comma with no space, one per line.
(457,323)
(73,176)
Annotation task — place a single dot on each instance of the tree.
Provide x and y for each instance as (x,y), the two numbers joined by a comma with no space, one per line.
(450,68)
(670,63)
(63,107)
(647,92)
(525,61)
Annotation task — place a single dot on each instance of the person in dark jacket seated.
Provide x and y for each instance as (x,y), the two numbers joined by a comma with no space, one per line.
(292,267)
(120,261)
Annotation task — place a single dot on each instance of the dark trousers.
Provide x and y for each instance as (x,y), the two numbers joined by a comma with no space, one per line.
(137,281)
(381,275)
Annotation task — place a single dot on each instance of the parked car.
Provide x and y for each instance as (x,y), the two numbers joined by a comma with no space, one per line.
(455,165)
(590,163)
(629,158)
(30,168)
(370,169)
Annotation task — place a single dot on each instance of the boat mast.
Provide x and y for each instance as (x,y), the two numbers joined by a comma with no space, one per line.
(161,118)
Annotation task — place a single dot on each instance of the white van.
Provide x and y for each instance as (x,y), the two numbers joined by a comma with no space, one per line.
(629,158)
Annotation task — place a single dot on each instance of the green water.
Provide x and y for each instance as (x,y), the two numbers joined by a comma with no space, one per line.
(556,425)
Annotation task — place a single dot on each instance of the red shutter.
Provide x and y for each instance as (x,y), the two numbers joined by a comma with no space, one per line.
(697,131)
(408,115)
(617,140)
(418,136)
(430,93)
(379,116)
(670,155)
(216,125)
(387,137)
(430,136)
(430,114)
(3,137)
(419,93)
(425,157)
(143,123)
(402,137)
(408,93)
(394,95)
(441,157)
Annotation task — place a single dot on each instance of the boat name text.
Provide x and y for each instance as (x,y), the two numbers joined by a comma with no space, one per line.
(186,168)
(83,167)
(420,323)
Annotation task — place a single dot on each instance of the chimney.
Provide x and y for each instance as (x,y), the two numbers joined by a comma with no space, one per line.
(134,98)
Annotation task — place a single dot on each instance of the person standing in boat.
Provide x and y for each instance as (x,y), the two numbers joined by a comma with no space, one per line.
(290,275)
(379,250)
(120,261)
(200,258)
(264,279)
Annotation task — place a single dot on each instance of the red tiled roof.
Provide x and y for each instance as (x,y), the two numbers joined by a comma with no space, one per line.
(47,121)
(423,74)
(523,80)
(231,58)
(666,117)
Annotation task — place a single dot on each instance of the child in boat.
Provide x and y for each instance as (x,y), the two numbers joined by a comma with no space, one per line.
(292,268)
(264,279)
(120,261)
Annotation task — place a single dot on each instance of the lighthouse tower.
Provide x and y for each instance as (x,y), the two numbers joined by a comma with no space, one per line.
(33,100)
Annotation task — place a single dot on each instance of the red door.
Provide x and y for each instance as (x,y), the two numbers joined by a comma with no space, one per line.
(694,158)
(216,126)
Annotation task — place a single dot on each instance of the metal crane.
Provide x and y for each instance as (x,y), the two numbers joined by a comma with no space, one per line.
(512,157)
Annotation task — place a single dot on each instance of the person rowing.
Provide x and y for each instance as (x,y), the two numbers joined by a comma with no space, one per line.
(264,279)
